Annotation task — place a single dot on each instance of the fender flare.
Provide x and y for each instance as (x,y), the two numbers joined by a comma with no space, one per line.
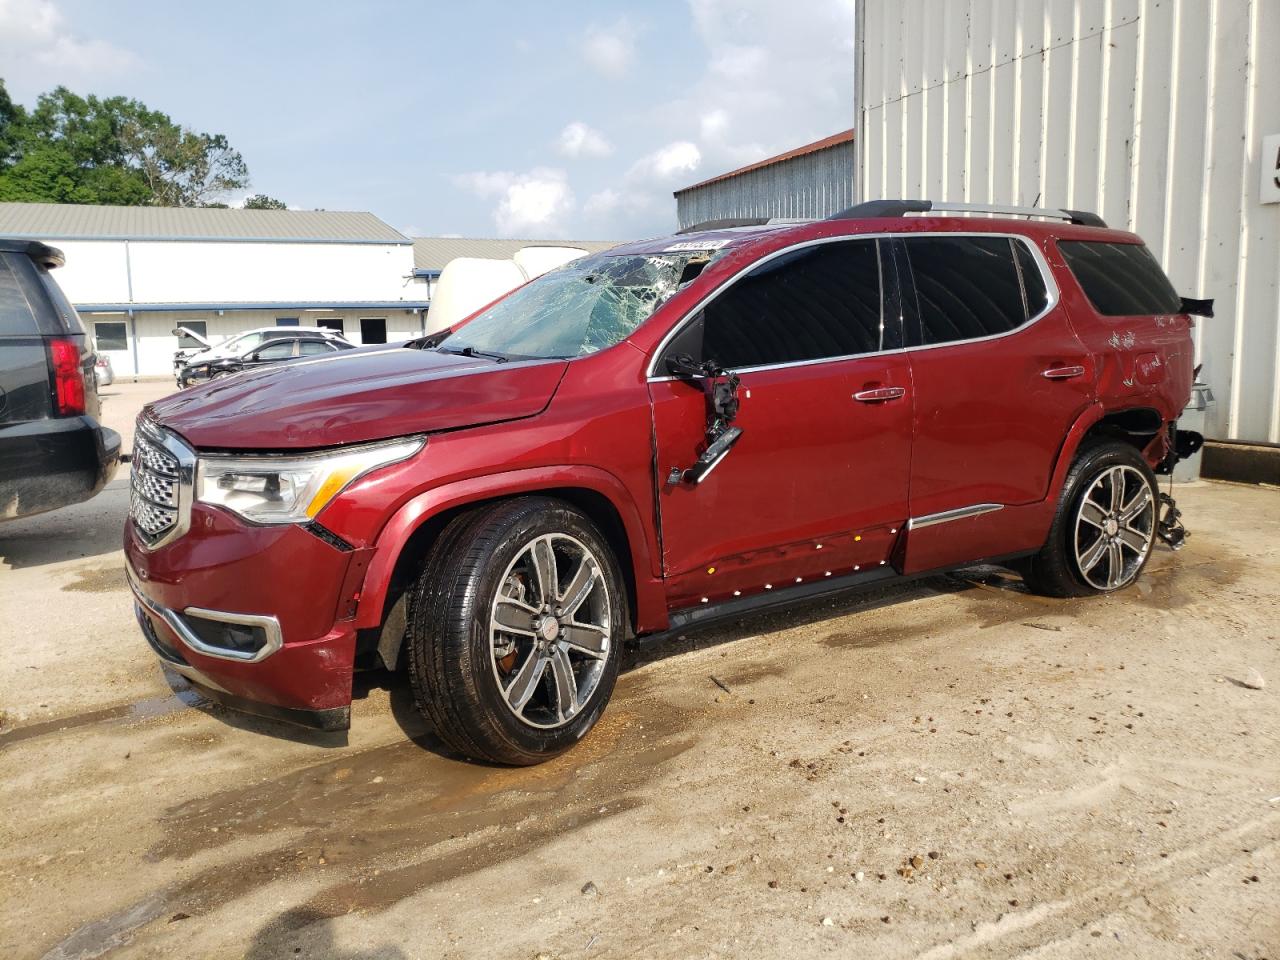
(421,508)
(1085,422)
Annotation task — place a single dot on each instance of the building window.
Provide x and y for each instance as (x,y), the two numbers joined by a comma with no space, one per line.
(200,327)
(286,321)
(110,335)
(373,329)
(331,323)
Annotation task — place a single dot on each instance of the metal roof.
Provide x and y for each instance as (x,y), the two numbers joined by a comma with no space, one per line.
(70,221)
(433,253)
(844,136)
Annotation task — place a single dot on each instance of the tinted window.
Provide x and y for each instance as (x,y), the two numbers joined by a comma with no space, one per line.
(815,302)
(1120,279)
(15,313)
(195,326)
(110,335)
(966,287)
(310,348)
(66,312)
(276,351)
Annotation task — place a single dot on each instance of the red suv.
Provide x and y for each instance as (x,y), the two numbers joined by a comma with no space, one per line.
(675,430)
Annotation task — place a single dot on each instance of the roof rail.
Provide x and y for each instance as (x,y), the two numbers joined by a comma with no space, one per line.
(900,208)
(745,222)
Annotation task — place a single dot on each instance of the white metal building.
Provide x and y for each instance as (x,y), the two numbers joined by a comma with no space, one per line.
(137,273)
(812,181)
(1158,114)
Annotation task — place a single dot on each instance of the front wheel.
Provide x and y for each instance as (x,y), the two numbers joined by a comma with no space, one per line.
(1104,527)
(516,630)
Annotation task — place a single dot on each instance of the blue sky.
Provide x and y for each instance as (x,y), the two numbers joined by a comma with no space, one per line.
(550,119)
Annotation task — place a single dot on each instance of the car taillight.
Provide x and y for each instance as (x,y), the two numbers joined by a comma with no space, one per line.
(68,377)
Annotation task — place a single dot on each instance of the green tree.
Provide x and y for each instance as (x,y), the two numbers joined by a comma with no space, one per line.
(74,149)
(261,201)
(11,117)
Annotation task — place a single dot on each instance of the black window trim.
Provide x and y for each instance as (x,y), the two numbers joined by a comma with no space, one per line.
(1052,295)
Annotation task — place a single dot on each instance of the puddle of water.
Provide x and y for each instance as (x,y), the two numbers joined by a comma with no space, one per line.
(392,820)
(102,580)
(141,710)
(874,637)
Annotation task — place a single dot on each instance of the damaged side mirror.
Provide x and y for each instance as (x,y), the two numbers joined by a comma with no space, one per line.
(720,388)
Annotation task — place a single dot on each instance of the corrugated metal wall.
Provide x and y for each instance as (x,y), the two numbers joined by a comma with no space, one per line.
(812,185)
(1150,112)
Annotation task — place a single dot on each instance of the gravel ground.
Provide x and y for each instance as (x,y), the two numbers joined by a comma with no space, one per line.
(953,768)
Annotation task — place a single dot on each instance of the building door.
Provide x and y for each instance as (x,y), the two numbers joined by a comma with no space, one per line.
(373,329)
(817,484)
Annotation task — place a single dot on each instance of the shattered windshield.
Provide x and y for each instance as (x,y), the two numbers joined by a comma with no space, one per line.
(577,309)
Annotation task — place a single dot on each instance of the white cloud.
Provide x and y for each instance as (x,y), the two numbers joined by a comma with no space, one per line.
(610,50)
(675,159)
(734,62)
(714,124)
(579,140)
(39,50)
(537,200)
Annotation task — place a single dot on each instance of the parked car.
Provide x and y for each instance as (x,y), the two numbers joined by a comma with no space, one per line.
(292,347)
(53,449)
(676,430)
(239,345)
(103,374)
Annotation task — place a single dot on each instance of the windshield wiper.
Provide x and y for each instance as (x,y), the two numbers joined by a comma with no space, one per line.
(473,352)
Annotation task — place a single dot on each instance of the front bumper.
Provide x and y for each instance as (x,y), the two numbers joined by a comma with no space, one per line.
(283,582)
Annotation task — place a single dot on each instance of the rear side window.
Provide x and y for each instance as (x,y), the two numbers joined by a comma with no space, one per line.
(66,312)
(1120,279)
(812,303)
(16,318)
(312,348)
(277,351)
(971,287)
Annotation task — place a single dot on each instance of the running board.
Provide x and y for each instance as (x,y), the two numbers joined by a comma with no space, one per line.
(738,606)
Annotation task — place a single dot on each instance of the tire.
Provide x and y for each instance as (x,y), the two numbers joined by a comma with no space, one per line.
(503,676)
(1100,540)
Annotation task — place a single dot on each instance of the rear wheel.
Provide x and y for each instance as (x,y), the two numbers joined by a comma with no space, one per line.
(1104,528)
(516,631)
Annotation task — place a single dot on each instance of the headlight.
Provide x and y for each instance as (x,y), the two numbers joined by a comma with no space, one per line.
(270,489)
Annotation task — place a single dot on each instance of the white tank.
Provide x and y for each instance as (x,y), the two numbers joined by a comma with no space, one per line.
(535,261)
(468,283)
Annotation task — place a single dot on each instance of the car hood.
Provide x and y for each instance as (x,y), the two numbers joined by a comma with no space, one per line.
(356,398)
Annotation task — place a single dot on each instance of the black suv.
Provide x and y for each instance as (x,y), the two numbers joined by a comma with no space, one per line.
(53,450)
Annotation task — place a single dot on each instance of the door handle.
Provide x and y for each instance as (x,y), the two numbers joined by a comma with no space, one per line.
(880,394)
(1063,373)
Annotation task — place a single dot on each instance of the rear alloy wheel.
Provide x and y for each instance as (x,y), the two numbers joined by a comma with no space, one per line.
(1104,527)
(516,629)
(1114,529)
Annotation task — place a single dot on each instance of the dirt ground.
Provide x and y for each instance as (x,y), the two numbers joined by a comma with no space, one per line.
(949,769)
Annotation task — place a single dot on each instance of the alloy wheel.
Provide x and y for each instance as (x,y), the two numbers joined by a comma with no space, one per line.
(1115,526)
(549,630)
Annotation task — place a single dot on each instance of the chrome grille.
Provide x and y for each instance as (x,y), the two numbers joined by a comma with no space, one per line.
(159,510)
